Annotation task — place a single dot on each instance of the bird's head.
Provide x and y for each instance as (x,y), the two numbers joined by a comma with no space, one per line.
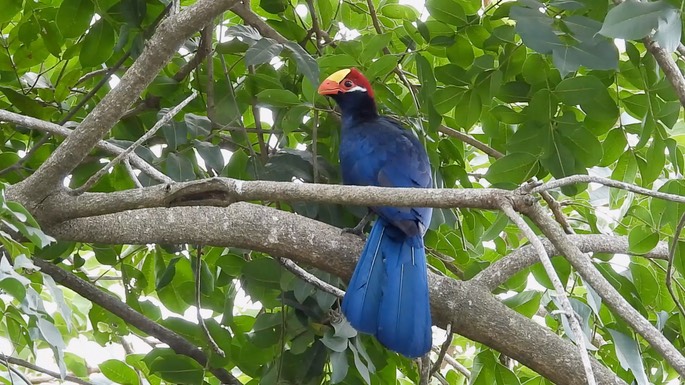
(351,90)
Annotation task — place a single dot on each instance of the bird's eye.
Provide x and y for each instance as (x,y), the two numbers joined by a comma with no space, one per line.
(348,83)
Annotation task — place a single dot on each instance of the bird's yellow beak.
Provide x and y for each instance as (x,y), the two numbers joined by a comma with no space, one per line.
(331,86)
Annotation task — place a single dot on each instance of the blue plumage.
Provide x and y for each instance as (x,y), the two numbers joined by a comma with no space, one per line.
(388,293)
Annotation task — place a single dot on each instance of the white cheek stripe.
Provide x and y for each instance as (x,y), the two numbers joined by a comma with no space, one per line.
(357,88)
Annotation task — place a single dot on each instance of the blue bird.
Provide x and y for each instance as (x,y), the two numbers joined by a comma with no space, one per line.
(388,293)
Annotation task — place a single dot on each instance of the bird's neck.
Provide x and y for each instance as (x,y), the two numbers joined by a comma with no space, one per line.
(357,108)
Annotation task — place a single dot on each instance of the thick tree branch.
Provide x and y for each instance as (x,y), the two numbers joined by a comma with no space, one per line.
(87,290)
(224,191)
(609,294)
(524,257)
(168,37)
(41,125)
(472,310)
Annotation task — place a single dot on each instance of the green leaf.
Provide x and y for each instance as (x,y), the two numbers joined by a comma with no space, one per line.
(374,46)
(263,270)
(447,11)
(633,20)
(583,144)
(561,162)
(339,366)
(119,372)
(9,9)
(336,344)
(679,258)
(646,283)
(278,98)
(179,168)
(654,163)
(535,28)
(211,154)
(247,32)
(445,99)
(562,268)
(13,287)
(167,274)
(306,64)
(579,89)
(542,107)
(76,364)
(98,44)
(628,353)
(399,11)
(642,239)
(602,55)
(74,16)
(178,369)
(526,302)
(262,51)
(273,6)
(50,333)
(613,146)
(452,74)
(669,31)
(381,67)
(512,168)
(461,52)
(25,104)
(626,169)
(468,109)
(426,77)
(198,125)
(593,98)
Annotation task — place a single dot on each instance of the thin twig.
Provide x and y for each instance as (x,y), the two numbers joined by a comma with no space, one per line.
(556,210)
(198,304)
(166,118)
(320,34)
(669,268)
(470,140)
(207,36)
(443,349)
(455,364)
(41,125)
(263,150)
(93,74)
(574,179)
(310,278)
(424,368)
(132,173)
(558,287)
(315,147)
(18,361)
(28,155)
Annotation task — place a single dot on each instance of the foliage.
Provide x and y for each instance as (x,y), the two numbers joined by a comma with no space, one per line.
(543,83)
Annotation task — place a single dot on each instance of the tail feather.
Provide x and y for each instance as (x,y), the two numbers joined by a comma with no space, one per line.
(388,293)
(362,299)
(404,321)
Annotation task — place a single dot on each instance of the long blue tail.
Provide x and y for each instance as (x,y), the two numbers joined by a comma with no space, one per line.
(388,293)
